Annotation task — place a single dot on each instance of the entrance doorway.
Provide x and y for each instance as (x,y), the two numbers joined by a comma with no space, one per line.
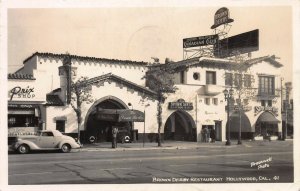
(100,128)
(266,125)
(180,126)
(240,122)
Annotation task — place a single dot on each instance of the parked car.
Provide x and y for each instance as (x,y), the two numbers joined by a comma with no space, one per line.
(45,140)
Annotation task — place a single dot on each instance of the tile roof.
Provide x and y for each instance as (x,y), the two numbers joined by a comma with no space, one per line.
(20,76)
(218,63)
(53,100)
(85,58)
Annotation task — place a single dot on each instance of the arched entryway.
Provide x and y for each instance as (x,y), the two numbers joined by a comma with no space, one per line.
(247,132)
(266,125)
(180,126)
(101,120)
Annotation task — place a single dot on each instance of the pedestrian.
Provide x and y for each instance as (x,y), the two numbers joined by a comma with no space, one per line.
(114,137)
(206,135)
(202,135)
(213,135)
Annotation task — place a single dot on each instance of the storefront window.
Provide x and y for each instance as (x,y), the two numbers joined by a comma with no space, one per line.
(22,121)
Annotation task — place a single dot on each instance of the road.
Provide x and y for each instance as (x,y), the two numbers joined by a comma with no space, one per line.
(246,163)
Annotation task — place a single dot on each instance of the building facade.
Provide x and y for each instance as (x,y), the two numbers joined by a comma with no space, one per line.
(39,97)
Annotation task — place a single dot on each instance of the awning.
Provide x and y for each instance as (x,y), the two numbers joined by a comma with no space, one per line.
(267,117)
(120,115)
(235,123)
(21,112)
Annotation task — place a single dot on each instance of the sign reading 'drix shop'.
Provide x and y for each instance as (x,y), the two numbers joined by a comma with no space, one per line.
(180,104)
(19,92)
(200,41)
(221,17)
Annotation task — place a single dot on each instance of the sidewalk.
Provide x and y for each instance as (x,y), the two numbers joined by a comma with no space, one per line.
(166,145)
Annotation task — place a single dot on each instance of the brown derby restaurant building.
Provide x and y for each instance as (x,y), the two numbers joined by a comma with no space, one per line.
(39,98)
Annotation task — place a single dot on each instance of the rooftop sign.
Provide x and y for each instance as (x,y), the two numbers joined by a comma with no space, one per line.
(221,17)
(241,44)
(200,41)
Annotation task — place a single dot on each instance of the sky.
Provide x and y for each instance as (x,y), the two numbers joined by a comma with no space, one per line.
(132,33)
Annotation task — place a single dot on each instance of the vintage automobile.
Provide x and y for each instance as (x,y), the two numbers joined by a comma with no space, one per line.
(45,140)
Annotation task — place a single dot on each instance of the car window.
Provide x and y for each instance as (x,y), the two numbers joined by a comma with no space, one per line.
(47,134)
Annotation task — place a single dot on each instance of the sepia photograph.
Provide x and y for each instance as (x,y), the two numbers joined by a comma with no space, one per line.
(142,96)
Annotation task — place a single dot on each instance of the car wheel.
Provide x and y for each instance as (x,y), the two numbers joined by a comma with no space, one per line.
(65,148)
(23,149)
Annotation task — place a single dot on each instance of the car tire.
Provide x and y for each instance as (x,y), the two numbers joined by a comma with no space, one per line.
(65,148)
(23,149)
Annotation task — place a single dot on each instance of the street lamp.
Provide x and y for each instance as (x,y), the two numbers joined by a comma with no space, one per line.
(144,124)
(228,96)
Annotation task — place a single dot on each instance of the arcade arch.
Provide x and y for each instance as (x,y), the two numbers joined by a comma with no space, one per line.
(180,126)
(100,119)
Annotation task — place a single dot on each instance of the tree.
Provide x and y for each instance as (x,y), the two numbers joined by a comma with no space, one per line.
(241,80)
(80,93)
(159,78)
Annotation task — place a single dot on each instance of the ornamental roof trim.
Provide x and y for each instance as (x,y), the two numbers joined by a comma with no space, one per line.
(219,63)
(86,58)
(110,76)
(20,76)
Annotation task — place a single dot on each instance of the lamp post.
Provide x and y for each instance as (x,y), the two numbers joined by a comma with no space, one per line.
(228,96)
(144,124)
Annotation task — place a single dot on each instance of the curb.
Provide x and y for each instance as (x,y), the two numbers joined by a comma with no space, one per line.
(156,148)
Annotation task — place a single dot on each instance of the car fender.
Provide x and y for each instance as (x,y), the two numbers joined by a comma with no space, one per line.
(31,145)
(73,144)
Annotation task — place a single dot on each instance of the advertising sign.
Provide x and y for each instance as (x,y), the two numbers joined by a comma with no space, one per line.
(21,92)
(120,115)
(258,109)
(131,115)
(200,41)
(180,104)
(107,117)
(221,17)
(241,43)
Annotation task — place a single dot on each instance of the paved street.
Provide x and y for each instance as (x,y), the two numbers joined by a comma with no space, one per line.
(176,162)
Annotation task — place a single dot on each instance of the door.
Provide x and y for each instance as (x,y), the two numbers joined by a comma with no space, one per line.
(46,140)
(218,126)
